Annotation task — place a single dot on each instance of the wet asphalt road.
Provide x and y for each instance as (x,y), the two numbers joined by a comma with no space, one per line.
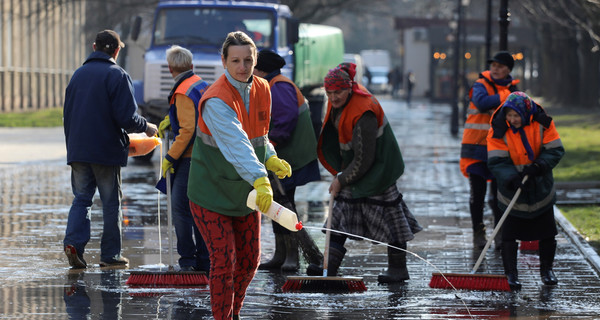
(35,196)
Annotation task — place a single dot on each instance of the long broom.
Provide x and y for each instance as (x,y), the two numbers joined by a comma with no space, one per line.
(474,281)
(324,283)
(168,277)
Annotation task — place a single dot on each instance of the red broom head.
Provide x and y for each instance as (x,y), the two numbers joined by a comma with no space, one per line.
(470,282)
(529,245)
(324,284)
(166,279)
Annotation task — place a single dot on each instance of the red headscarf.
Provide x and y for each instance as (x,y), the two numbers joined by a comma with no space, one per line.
(342,77)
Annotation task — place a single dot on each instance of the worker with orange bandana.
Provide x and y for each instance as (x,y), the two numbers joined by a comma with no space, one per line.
(358,147)
(523,142)
(487,94)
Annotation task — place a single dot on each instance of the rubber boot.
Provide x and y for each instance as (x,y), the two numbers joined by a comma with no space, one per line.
(547,252)
(509,260)
(310,251)
(291,249)
(397,271)
(278,257)
(336,255)
(479,239)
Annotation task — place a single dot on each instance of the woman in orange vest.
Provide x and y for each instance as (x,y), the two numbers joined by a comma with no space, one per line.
(231,154)
(524,142)
(487,94)
(358,147)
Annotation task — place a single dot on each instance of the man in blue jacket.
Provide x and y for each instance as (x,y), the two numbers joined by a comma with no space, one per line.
(99,110)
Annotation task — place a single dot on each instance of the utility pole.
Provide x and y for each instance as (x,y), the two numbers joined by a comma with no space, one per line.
(504,20)
(488,34)
(457,56)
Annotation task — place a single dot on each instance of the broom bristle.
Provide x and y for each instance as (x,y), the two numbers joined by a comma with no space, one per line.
(483,282)
(324,284)
(529,245)
(167,278)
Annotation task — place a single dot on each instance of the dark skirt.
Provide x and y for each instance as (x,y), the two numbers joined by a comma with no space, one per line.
(384,217)
(538,228)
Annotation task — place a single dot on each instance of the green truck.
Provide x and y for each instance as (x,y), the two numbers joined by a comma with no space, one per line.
(201,26)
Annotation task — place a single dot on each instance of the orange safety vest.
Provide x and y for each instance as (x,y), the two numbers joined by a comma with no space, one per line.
(473,149)
(335,147)
(213,183)
(279,77)
(508,157)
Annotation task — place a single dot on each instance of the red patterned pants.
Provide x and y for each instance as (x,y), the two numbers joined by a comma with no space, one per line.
(234,247)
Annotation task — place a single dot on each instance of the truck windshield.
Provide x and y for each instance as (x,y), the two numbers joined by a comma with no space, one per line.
(210,26)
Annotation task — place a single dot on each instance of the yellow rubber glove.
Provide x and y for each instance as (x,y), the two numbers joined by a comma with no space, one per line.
(279,166)
(264,194)
(164,125)
(167,165)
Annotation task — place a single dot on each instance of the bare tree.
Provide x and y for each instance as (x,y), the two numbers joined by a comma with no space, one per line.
(570,49)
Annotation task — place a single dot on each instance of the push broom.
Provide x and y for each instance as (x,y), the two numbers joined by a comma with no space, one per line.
(324,283)
(169,277)
(472,281)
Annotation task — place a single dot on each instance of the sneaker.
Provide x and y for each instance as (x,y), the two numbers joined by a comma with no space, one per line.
(75,260)
(118,262)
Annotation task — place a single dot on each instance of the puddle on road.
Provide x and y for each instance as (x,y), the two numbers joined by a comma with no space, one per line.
(37,284)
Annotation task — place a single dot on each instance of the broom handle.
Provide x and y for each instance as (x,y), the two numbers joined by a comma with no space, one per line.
(279,186)
(327,236)
(169,210)
(498,226)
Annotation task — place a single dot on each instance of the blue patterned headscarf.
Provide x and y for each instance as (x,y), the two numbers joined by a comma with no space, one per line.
(525,107)
(522,104)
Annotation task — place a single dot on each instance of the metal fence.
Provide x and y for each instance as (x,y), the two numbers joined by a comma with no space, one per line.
(41,43)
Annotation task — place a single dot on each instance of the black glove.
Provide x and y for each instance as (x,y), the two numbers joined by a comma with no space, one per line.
(532,170)
(514,183)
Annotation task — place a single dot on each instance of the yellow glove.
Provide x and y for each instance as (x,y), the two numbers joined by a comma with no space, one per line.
(164,125)
(167,165)
(264,194)
(279,166)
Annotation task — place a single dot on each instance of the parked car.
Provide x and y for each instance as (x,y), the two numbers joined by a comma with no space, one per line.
(379,80)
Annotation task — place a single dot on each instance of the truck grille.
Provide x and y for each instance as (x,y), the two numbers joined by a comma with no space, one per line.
(158,80)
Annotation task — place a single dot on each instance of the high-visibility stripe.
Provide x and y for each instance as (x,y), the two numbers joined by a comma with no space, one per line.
(498,153)
(529,207)
(477,126)
(553,144)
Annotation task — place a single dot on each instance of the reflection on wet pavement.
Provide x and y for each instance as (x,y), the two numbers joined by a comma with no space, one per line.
(37,284)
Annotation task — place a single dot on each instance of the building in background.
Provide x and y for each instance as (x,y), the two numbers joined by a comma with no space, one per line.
(41,44)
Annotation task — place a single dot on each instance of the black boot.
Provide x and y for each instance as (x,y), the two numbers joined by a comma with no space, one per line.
(336,255)
(479,239)
(509,260)
(547,252)
(291,258)
(278,257)
(310,251)
(397,271)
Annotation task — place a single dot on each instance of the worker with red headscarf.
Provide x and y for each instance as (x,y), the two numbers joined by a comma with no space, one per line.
(357,146)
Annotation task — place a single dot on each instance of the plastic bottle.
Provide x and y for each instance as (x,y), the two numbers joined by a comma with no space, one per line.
(280,214)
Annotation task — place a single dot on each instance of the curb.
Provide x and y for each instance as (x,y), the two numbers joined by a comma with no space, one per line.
(588,252)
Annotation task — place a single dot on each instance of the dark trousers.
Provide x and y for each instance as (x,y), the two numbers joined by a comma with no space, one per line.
(477,199)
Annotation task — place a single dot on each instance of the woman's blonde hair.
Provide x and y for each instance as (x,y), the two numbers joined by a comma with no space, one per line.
(237,38)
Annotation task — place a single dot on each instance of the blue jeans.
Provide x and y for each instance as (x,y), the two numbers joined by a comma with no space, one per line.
(85,179)
(190,244)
